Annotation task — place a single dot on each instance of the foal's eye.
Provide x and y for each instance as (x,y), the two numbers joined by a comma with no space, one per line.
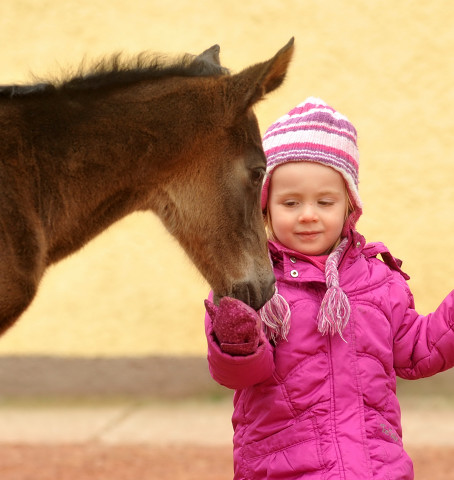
(257,175)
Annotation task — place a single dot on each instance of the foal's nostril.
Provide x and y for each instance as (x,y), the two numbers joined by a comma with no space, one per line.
(265,294)
(261,295)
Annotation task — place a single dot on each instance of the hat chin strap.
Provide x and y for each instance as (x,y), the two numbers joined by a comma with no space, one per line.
(335,310)
(275,315)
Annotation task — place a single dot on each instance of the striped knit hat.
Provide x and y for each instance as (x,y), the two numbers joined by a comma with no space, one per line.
(315,132)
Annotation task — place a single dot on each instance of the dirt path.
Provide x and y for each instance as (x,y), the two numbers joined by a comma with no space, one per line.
(100,462)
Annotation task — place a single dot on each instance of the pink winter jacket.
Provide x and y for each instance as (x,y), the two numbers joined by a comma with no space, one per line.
(318,407)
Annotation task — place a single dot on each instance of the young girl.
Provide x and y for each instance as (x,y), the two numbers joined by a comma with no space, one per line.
(315,370)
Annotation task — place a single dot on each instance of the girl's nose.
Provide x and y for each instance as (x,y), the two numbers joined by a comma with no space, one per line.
(307,213)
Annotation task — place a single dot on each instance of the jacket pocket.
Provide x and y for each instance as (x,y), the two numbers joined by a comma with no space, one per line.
(291,453)
(307,384)
(376,382)
(387,455)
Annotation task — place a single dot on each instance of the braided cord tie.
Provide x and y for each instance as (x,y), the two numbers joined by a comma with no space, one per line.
(275,315)
(335,310)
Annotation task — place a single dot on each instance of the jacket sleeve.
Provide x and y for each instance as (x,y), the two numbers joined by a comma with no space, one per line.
(423,344)
(238,371)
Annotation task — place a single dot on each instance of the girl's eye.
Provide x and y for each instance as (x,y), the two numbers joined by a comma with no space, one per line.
(326,203)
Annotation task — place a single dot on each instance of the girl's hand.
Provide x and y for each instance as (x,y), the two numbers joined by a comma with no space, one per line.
(236,326)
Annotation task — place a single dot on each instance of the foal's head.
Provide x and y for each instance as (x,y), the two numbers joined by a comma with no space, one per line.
(212,204)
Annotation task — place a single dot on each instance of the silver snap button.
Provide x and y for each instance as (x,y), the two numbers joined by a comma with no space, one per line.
(294,273)
(358,244)
(293,259)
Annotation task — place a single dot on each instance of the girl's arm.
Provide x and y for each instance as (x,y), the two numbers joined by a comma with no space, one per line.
(423,344)
(241,370)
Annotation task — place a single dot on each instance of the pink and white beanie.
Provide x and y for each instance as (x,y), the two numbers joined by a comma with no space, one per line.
(314,132)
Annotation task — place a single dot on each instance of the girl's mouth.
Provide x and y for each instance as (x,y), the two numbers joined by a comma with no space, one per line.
(308,235)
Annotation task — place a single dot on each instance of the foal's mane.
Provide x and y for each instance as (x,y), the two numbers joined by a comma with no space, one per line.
(118,70)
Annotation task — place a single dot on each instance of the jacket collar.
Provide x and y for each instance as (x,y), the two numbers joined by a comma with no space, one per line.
(298,267)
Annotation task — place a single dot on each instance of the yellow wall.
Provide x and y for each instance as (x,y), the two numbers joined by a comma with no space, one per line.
(387,65)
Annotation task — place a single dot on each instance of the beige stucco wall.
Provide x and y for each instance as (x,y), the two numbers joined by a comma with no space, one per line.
(386,64)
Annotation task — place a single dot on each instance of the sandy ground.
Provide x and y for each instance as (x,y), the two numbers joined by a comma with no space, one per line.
(134,462)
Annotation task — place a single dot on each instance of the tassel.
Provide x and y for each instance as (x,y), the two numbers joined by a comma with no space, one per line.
(275,315)
(334,312)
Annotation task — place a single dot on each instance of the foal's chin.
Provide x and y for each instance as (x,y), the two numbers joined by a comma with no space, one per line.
(249,294)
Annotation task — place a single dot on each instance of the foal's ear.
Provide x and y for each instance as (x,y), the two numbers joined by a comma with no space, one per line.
(211,61)
(256,81)
(211,55)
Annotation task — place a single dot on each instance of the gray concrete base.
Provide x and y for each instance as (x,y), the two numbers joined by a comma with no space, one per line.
(41,376)
(168,377)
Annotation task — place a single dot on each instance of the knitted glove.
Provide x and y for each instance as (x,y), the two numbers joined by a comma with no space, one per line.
(236,326)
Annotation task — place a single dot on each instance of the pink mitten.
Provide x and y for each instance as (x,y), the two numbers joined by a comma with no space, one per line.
(236,326)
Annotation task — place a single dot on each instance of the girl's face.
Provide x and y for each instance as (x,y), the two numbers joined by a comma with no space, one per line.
(307,205)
